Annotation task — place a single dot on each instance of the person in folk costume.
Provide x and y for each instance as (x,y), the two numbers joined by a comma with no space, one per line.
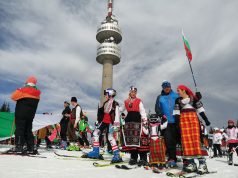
(157,127)
(185,112)
(204,135)
(110,112)
(164,106)
(232,140)
(135,132)
(64,125)
(27,99)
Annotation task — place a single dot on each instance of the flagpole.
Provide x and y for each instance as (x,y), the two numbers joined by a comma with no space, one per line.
(192,75)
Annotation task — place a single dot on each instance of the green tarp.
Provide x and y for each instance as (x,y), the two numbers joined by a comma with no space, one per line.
(7,125)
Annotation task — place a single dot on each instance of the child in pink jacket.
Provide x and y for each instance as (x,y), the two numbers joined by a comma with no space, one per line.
(232,139)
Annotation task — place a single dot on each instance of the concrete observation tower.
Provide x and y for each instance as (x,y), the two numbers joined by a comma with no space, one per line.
(108,52)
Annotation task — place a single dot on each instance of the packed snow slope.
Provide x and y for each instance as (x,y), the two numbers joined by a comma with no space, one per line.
(59,167)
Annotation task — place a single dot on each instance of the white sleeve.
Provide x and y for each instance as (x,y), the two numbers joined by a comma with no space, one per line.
(117,114)
(201,109)
(142,111)
(225,136)
(122,108)
(78,111)
(164,125)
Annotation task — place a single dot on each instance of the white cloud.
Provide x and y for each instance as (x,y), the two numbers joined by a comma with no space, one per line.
(55,41)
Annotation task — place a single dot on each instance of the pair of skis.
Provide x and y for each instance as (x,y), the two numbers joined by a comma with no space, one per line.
(9,152)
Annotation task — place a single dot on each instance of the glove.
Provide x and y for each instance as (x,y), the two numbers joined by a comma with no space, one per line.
(198,95)
(144,121)
(204,117)
(163,119)
(145,129)
(207,123)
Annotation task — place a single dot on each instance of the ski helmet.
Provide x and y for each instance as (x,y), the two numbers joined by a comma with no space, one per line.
(133,88)
(110,92)
(153,118)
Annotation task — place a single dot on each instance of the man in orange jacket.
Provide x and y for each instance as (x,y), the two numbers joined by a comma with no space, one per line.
(27,99)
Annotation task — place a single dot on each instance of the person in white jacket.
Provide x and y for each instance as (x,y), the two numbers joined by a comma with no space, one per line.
(217,137)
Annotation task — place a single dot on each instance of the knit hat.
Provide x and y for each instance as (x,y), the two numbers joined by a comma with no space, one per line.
(74,99)
(166,84)
(66,102)
(31,80)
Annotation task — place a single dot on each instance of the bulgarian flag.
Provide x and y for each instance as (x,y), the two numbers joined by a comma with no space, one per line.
(187,47)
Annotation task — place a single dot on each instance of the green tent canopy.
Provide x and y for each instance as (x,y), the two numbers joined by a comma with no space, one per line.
(7,125)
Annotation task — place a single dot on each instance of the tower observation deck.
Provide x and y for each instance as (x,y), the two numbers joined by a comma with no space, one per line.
(109,35)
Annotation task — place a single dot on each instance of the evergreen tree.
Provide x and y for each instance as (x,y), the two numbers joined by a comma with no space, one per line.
(5,107)
(8,108)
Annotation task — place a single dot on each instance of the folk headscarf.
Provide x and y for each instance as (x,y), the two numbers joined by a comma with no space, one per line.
(188,91)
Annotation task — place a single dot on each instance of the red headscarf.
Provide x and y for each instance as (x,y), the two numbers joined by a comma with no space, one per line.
(188,91)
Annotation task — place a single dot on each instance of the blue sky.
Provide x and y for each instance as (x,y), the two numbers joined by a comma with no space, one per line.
(55,41)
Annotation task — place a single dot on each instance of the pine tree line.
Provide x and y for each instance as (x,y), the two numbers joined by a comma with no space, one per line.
(5,107)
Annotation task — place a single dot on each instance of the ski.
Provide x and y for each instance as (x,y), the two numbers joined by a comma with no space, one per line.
(153,169)
(183,174)
(177,174)
(96,164)
(126,167)
(20,154)
(70,157)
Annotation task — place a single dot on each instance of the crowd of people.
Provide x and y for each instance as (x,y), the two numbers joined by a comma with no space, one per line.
(175,128)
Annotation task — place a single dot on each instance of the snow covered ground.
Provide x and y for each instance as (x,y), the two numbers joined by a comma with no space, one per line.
(57,167)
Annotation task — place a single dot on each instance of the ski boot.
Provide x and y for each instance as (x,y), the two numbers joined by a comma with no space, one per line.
(143,159)
(63,145)
(202,168)
(32,150)
(134,157)
(162,166)
(143,163)
(172,164)
(93,154)
(18,149)
(116,157)
(189,166)
(230,159)
(154,166)
(73,147)
(132,162)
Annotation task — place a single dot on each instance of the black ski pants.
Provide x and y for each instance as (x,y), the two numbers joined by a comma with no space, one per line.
(171,139)
(63,131)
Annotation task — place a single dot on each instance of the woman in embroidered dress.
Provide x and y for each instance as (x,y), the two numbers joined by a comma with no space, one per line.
(135,133)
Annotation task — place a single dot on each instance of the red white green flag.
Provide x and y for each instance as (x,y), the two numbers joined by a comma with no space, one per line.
(187,48)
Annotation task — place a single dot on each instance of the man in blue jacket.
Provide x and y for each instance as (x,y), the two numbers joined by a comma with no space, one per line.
(164,106)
